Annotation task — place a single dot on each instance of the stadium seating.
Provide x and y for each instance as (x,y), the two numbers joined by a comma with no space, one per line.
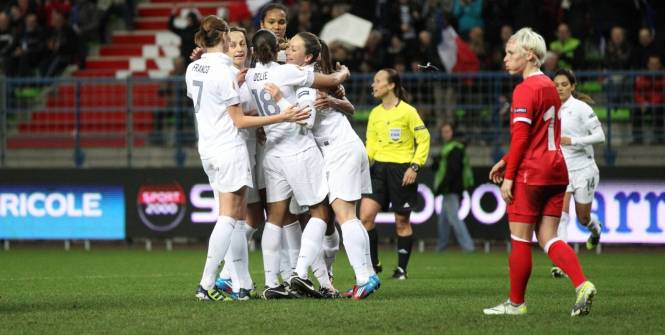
(147,51)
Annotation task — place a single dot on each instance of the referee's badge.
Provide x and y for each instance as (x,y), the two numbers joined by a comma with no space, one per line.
(395,134)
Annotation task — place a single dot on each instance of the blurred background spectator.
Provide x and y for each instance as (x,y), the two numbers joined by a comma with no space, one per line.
(469,15)
(645,47)
(649,99)
(567,48)
(185,33)
(84,19)
(6,39)
(61,46)
(29,48)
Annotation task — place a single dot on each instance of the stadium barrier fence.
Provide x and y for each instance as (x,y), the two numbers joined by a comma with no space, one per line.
(142,122)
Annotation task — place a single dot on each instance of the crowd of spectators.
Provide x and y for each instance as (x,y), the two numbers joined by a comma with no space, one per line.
(36,36)
(581,34)
(617,35)
(43,37)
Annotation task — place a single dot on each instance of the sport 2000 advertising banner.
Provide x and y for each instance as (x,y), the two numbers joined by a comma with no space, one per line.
(165,203)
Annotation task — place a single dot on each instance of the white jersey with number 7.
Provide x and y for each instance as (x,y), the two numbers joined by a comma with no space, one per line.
(212,88)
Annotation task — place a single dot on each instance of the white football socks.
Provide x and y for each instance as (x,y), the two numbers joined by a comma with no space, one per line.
(285,267)
(293,235)
(311,245)
(562,231)
(330,248)
(226,270)
(356,244)
(249,231)
(271,242)
(240,258)
(320,271)
(594,224)
(219,242)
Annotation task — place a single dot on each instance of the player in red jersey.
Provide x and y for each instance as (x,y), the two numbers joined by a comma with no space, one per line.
(534,176)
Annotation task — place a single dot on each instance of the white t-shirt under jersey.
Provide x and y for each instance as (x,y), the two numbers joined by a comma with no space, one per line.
(285,138)
(578,121)
(211,86)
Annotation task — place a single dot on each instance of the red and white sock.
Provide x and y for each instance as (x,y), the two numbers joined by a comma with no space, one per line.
(563,256)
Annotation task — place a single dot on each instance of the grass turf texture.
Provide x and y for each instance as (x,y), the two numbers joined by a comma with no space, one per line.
(50,291)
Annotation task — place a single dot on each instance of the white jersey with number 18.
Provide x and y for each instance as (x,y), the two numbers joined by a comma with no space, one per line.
(286,138)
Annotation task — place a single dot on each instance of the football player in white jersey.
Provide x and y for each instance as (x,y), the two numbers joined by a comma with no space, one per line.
(293,165)
(274,17)
(346,163)
(222,146)
(580,130)
(238,51)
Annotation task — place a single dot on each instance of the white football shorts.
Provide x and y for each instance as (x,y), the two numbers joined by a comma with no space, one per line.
(583,183)
(257,176)
(300,175)
(231,171)
(347,169)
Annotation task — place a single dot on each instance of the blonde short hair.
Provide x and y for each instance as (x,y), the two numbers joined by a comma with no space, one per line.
(527,39)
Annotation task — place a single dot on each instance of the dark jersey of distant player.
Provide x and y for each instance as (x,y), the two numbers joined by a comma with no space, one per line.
(537,159)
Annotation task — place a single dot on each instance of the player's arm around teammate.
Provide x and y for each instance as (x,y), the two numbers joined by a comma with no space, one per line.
(398,145)
(223,152)
(346,166)
(580,130)
(293,166)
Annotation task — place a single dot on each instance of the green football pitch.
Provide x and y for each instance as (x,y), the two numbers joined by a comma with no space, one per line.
(50,291)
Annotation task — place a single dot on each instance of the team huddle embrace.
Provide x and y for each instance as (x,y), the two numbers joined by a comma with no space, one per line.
(306,164)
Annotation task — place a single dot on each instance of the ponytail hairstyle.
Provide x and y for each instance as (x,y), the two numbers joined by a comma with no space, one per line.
(324,63)
(393,77)
(312,45)
(211,32)
(264,46)
(573,81)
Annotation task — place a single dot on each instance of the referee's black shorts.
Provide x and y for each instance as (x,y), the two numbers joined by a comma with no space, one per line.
(387,187)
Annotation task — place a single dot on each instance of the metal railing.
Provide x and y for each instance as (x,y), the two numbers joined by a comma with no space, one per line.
(90,122)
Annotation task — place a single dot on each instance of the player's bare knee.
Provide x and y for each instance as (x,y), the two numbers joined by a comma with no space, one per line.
(403,225)
(584,218)
(368,221)
(319,211)
(404,230)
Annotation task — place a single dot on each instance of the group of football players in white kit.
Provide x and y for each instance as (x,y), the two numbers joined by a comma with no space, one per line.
(312,161)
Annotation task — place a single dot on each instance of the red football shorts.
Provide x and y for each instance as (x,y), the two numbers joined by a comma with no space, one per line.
(531,202)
